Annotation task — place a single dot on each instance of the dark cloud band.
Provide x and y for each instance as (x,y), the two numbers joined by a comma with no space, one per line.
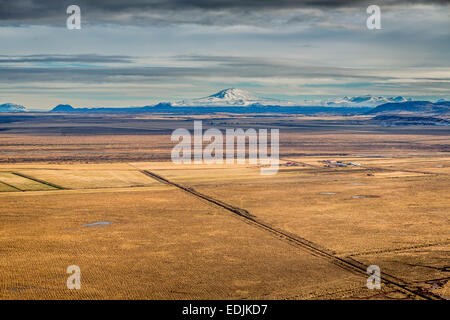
(168,11)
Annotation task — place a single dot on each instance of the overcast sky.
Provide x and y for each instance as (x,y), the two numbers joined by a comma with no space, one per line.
(139,52)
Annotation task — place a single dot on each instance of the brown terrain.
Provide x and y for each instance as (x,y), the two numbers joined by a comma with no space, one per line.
(101,192)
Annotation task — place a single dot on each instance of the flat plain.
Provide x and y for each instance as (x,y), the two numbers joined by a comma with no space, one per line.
(86,191)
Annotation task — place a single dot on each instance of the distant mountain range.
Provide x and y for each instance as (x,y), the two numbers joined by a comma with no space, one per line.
(233,97)
(240,101)
(11,107)
(237,100)
(363,101)
(423,113)
(242,98)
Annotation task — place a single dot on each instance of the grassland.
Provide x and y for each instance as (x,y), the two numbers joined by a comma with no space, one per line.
(153,248)
(5,188)
(22,183)
(307,229)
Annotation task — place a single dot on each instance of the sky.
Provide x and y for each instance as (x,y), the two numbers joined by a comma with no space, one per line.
(141,52)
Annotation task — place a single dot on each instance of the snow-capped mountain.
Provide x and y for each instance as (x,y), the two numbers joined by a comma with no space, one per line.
(11,107)
(241,98)
(362,101)
(231,97)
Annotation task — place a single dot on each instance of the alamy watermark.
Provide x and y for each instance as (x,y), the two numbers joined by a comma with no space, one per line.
(374,280)
(374,20)
(190,147)
(74,280)
(74,20)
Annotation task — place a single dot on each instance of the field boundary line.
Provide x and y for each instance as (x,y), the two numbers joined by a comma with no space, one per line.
(348,263)
(10,185)
(401,170)
(399,249)
(39,180)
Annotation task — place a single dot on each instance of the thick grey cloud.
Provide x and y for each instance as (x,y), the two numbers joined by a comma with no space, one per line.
(139,12)
(158,50)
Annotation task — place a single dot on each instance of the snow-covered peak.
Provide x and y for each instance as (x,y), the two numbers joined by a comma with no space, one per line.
(230,97)
(362,101)
(232,94)
(11,107)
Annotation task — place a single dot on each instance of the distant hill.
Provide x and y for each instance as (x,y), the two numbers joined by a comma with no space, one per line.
(441,108)
(63,108)
(11,107)
(404,120)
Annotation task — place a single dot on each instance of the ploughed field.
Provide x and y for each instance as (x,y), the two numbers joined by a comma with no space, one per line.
(149,229)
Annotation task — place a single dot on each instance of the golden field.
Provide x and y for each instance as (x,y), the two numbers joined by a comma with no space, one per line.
(86,200)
